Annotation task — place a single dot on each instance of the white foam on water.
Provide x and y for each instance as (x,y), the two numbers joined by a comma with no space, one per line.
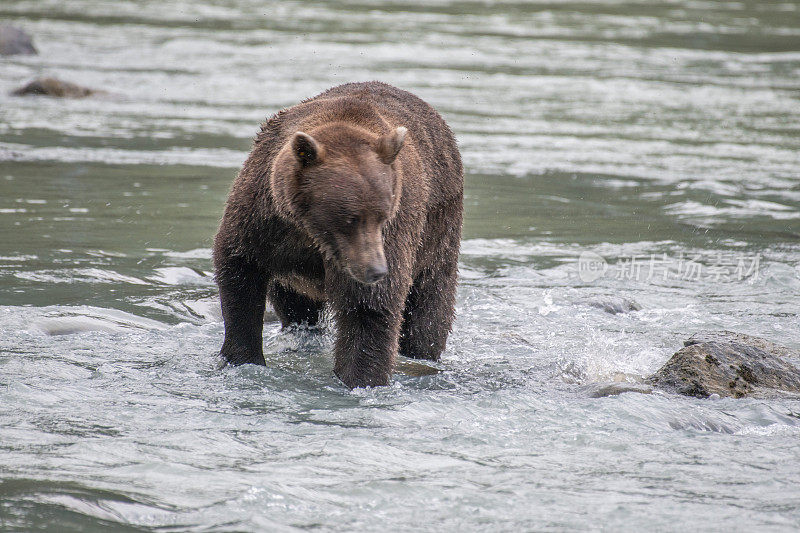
(180,276)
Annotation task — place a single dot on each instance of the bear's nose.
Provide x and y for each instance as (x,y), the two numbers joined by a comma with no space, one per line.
(375,273)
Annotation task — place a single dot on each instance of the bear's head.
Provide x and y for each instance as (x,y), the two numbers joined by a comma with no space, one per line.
(339,182)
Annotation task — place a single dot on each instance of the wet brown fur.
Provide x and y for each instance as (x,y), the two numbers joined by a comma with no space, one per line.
(288,232)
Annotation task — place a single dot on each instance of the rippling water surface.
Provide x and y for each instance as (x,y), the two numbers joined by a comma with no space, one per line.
(661,136)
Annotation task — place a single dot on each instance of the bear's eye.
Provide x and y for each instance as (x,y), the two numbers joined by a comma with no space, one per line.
(352,220)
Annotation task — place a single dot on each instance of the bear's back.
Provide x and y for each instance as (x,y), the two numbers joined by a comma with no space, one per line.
(379,107)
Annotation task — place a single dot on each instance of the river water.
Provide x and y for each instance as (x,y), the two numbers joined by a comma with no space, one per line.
(634,156)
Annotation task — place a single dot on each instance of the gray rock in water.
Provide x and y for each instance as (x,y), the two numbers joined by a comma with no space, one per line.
(729,336)
(615,305)
(54,87)
(15,41)
(414,368)
(603,390)
(730,365)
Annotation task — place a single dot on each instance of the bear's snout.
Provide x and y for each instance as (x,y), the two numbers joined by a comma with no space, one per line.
(370,268)
(363,256)
(375,273)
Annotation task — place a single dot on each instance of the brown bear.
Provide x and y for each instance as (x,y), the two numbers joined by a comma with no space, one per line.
(353,200)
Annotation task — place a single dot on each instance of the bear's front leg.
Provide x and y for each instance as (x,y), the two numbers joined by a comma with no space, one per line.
(243,293)
(366,344)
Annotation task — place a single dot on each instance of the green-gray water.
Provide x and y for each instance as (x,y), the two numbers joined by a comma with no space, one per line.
(662,136)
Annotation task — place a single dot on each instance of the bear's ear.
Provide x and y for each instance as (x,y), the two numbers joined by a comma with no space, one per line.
(390,144)
(306,149)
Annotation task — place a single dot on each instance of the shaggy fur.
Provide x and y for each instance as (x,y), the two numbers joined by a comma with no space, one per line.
(351,199)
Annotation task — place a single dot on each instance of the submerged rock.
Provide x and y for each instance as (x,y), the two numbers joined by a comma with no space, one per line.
(14,41)
(409,367)
(54,87)
(615,305)
(603,390)
(730,365)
